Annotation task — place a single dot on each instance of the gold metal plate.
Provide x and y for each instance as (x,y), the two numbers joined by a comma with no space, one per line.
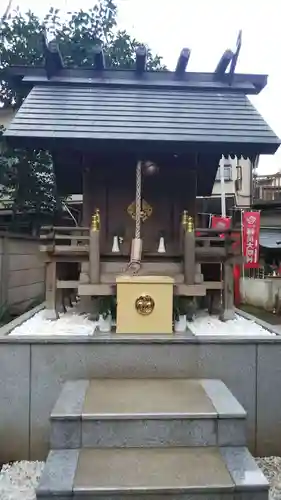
(145,213)
(144,305)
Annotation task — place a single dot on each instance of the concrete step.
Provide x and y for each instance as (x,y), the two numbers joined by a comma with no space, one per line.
(152,473)
(146,413)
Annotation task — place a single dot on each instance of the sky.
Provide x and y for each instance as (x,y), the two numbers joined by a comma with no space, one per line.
(207,27)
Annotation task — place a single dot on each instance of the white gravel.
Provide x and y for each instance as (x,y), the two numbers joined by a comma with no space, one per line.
(19,480)
(271,467)
(211,325)
(72,323)
(69,323)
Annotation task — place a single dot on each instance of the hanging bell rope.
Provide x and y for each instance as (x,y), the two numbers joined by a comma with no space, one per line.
(134,265)
(138,201)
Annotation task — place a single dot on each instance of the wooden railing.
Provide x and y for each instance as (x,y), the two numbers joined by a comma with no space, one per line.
(64,232)
(80,245)
(63,239)
(59,240)
(216,242)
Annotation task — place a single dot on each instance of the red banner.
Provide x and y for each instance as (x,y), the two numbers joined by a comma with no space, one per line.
(250,238)
(219,222)
(236,269)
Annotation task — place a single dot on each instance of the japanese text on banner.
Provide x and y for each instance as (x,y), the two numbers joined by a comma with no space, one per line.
(250,236)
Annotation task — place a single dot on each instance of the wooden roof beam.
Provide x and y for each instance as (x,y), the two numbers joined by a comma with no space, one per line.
(223,63)
(182,62)
(52,56)
(141,57)
(99,60)
(243,83)
(235,58)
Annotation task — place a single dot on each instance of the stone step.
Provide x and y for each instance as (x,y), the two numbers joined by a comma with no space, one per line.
(227,473)
(146,413)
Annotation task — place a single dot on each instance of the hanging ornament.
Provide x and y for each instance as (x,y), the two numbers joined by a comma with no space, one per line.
(145,213)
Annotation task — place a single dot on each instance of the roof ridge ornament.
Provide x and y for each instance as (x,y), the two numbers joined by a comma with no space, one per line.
(235,57)
(99,59)
(139,77)
(52,56)
(223,63)
(141,59)
(229,59)
(182,62)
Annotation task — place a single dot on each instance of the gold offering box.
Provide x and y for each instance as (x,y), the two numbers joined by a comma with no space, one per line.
(144,304)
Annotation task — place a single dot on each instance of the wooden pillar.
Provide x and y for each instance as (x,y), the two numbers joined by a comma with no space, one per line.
(87,198)
(228,293)
(94,263)
(189,253)
(87,275)
(89,304)
(94,256)
(199,278)
(86,220)
(51,290)
(228,283)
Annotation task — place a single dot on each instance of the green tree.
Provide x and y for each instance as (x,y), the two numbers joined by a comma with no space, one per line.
(27,176)
(27,185)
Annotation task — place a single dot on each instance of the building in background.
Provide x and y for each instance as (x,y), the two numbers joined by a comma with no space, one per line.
(267,199)
(238,182)
(267,189)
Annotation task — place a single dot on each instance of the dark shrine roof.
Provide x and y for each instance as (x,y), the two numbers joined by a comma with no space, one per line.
(218,118)
(187,117)
(187,112)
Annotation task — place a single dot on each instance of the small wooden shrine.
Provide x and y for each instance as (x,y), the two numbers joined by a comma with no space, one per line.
(140,146)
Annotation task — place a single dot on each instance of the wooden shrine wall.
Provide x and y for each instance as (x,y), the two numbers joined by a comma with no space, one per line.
(168,193)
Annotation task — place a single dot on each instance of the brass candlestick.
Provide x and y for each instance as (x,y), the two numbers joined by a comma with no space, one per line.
(94,226)
(190,224)
(184,219)
(97,213)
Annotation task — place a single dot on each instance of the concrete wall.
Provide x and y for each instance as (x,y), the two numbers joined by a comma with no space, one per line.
(270,219)
(243,195)
(32,373)
(22,272)
(261,292)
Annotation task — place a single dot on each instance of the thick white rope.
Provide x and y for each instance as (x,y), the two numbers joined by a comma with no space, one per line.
(138,201)
(135,265)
